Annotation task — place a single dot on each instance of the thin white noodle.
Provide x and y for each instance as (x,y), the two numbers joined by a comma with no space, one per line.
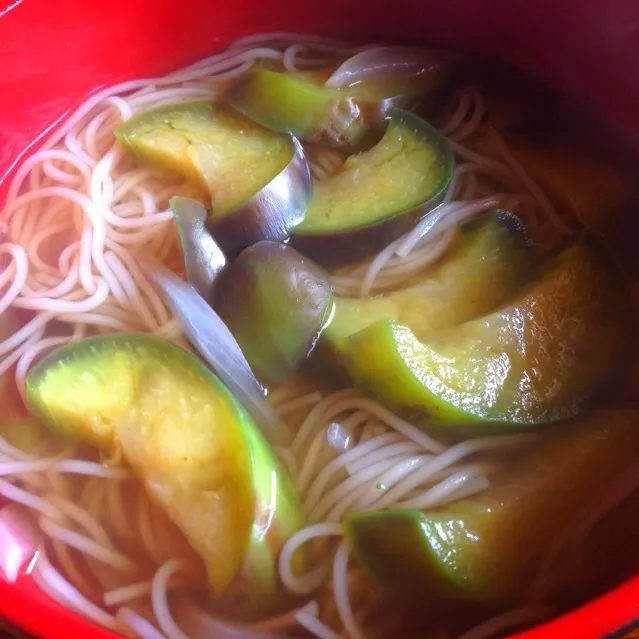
(68,565)
(400,448)
(28,330)
(160,602)
(340,588)
(447,459)
(117,510)
(307,583)
(83,518)
(330,470)
(315,626)
(445,490)
(60,589)
(138,624)
(86,545)
(300,402)
(127,593)
(148,535)
(82,467)
(17,468)
(16,273)
(20,496)
(306,429)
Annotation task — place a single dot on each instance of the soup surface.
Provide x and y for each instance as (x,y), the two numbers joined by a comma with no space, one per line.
(316,340)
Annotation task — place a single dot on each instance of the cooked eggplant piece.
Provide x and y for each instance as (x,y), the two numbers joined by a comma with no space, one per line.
(538,359)
(229,155)
(258,181)
(200,456)
(487,549)
(216,345)
(378,194)
(275,302)
(345,107)
(296,103)
(257,593)
(271,214)
(489,260)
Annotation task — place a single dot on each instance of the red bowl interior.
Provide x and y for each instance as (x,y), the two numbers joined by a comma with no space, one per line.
(53,53)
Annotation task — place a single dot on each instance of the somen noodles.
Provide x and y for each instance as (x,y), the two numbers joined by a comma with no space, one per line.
(81,220)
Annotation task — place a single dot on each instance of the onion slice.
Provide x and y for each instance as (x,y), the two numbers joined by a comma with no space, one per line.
(18,542)
(392,62)
(203,258)
(217,346)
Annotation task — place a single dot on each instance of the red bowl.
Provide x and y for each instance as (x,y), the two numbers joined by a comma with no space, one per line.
(53,53)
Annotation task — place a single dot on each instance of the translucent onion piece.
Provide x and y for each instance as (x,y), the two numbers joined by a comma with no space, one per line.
(390,61)
(203,258)
(216,344)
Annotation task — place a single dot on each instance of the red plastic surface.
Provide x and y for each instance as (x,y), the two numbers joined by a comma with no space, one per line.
(52,53)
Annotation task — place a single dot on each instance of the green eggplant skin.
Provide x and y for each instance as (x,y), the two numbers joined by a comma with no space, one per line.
(491,257)
(227,154)
(378,194)
(485,550)
(489,260)
(295,103)
(303,104)
(542,357)
(199,454)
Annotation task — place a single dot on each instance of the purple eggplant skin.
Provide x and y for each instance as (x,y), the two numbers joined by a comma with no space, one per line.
(276,302)
(271,214)
(334,234)
(340,248)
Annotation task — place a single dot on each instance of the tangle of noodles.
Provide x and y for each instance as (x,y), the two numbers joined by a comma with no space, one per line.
(79,215)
